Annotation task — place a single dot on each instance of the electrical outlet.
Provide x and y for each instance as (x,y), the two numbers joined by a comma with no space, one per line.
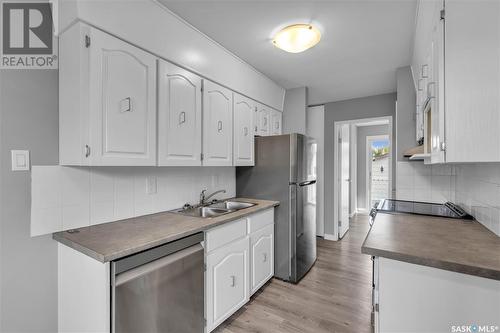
(152,185)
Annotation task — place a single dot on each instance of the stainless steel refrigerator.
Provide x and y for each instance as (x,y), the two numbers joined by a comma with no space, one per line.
(285,170)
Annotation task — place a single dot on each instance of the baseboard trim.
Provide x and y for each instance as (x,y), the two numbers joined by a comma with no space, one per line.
(352,214)
(330,237)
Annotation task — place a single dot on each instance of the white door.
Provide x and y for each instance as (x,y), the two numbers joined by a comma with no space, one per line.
(122,102)
(227,281)
(243,131)
(261,257)
(217,125)
(264,120)
(179,116)
(344,179)
(378,166)
(276,120)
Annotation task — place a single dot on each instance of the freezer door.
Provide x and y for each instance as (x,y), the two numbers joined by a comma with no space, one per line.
(305,229)
(165,295)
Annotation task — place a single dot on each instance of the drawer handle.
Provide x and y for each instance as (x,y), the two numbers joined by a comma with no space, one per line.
(264,255)
(182,117)
(233,281)
(219,126)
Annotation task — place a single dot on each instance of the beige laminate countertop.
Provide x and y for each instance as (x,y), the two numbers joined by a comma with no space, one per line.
(110,241)
(455,245)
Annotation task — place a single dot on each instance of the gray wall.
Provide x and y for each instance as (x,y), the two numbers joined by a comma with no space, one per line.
(294,111)
(28,282)
(359,108)
(405,113)
(362,133)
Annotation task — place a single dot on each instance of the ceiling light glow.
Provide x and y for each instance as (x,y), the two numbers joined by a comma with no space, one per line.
(297,38)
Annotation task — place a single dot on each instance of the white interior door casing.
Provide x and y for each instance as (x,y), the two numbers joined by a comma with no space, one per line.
(227,281)
(243,145)
(122,102)
(261,257)
(217,125)
(179,116)
(344,179)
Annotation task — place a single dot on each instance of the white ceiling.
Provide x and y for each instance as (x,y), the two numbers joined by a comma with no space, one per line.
(363,41)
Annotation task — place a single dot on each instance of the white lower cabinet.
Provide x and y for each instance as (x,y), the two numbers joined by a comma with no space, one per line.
(239,260)
(226,281)
(261,257)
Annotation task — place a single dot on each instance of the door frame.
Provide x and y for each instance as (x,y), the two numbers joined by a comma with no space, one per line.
(368,166)
(336,190)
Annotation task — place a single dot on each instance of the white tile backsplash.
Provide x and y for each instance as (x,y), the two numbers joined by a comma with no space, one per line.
(477,190)
(419,182)
(71,197)
(474,187)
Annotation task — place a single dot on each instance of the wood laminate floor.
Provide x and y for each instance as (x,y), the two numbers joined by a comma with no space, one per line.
(335,296)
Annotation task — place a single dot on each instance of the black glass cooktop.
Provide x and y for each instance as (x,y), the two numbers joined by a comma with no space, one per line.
(448,209)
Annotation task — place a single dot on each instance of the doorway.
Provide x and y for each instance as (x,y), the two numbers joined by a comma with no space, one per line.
(378,163)
(355,189)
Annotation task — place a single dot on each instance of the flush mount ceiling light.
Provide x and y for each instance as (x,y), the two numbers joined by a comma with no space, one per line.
(297,38)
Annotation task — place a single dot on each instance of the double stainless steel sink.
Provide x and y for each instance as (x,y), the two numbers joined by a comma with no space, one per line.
(215,209)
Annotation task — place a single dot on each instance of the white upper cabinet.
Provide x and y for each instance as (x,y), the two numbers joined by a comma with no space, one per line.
(217,125)
(264,118)
(243,143)
(107,100)
(456,64)
(472,87)
(276,122)
(179,116)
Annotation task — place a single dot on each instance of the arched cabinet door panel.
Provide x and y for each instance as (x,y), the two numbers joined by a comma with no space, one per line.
(226,281)
(243,144)
(107,100)
(217,125)
(122,102)
(261,257)
(179,116)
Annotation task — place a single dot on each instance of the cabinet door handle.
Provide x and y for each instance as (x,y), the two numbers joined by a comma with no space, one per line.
(182,117)
(125,105)
(256,129)
(425,73)
(264,255)
(265,121)
(219,126)
(245,131)
(233,281)
(87,151)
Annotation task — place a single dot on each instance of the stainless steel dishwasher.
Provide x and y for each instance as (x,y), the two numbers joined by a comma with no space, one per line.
(160,290)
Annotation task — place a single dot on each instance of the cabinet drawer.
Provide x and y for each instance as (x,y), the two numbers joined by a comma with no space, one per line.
(261,257)
(225,234)
(260,220)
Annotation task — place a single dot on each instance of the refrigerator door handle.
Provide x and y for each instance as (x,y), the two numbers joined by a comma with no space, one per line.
(307,182)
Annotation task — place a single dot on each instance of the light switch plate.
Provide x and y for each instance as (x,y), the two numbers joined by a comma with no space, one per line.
(20,160)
